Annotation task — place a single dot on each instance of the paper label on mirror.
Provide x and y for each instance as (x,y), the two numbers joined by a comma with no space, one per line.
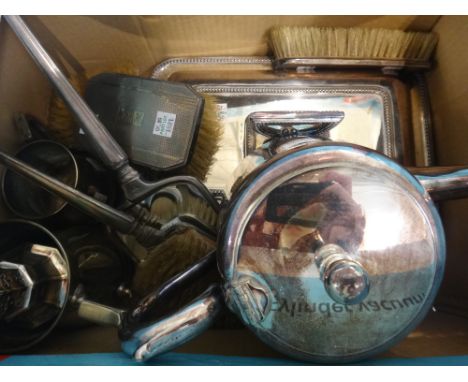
(164,124)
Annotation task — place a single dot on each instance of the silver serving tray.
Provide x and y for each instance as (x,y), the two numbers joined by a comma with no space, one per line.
(372,104)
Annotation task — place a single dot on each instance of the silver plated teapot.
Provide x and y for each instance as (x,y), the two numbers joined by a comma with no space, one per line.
(328,252)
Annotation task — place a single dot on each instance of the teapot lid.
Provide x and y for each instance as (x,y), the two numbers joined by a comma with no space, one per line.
(332,252)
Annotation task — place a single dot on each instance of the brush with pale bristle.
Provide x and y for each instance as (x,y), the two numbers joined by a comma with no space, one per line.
(174,255)
(60,121)
(63,127)
(363,43)
(208,141)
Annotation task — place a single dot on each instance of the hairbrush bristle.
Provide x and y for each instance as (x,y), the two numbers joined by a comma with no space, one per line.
(173,256)
(60,121)
(208,141)
(177,252)
(125,67)
(364,43)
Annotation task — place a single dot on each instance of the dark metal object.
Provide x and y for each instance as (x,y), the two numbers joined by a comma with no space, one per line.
(37,271)
(156,122)
(99,262)
(140,223)
(100,141)
(29,201)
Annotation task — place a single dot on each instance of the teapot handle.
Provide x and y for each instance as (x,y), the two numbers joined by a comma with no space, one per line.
(148,341)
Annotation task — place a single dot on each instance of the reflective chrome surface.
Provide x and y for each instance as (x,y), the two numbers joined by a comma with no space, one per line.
(173,331)
(380,223)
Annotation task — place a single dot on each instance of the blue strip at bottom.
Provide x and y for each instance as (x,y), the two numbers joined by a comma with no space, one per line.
(179,359)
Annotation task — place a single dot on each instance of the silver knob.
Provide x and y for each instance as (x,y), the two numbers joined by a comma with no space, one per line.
(36,275)
(344,278)
(15,289)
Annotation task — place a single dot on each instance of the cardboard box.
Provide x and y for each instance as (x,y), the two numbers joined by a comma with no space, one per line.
(93,42)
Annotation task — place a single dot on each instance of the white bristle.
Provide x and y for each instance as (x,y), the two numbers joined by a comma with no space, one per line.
(329,42)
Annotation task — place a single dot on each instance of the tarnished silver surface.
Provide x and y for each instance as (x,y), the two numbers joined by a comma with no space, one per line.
(99,313)
(422,125)
(39,265)
(29,201)
(172,65)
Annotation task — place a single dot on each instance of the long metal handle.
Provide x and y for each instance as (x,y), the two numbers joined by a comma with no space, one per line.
(100,211)
(175,330)
(101,142)
(443,183)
